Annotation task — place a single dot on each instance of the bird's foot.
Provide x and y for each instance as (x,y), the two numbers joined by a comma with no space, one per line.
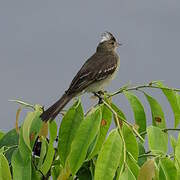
(102,92)
(99,95)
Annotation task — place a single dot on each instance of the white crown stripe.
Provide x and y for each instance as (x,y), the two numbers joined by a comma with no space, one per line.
(105,37)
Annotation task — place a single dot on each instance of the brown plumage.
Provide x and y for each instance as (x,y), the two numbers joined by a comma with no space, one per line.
(97,71)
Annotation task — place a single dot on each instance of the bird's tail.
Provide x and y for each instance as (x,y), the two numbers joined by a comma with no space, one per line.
(54,110)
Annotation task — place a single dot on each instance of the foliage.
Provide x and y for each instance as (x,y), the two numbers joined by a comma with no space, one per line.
(84,147)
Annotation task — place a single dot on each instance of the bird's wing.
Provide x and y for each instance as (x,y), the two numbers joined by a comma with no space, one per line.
(96,68)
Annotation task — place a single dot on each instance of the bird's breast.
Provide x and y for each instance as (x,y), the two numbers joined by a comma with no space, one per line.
(100,85)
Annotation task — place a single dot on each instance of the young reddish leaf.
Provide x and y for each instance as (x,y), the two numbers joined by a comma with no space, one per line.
(44,130)
(147,171)
(17,118)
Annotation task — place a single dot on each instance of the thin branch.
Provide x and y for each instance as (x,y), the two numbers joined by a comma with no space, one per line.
(142,87)
(171,129)
(147,155)
(165,130)
(22,103)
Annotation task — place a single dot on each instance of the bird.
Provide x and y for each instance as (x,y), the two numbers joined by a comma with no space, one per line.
(96,73)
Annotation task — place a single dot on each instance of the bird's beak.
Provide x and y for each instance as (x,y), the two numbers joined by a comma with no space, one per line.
(119,44)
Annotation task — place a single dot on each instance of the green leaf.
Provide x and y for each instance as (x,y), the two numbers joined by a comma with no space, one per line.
(127,174)
(132,164)
(173,101)
(21,169)
(169,169)
(55,170)
(36,175)
(48,160)
(43,152)
(141,160)
(178,98)
(130,141)
(173,142)
(68,128)
(161,173)
(50,153)
(158,118)
(109,157)
(53,131)
(105,124)
(5,173)
(9,140)
(84,172)
(157,139)
(83,138)
(2,149)
(26,128)
(177,152)
(36,126)
(1,134)
(138,109)
(147,171)
(21,159)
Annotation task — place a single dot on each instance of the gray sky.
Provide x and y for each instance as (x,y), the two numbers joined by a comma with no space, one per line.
(44,43)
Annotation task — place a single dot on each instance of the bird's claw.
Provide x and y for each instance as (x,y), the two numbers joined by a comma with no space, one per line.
(99,95)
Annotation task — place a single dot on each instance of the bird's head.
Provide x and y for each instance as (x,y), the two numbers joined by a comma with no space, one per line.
(108,42)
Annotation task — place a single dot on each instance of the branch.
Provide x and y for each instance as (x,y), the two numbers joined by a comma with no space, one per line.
(147,155)
(142,87)
(171,129)
(22,103)
(165,130)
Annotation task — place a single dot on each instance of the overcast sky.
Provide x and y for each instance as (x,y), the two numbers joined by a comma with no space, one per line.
(44,43)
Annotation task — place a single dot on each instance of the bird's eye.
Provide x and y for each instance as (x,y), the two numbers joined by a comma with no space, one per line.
(112,43)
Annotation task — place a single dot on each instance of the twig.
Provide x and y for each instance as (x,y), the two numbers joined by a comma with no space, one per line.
(171,129)
(164,130)
(22,103)
(147,155)
(141,87)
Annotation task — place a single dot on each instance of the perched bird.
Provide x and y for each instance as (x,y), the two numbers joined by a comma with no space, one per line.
(94,75)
